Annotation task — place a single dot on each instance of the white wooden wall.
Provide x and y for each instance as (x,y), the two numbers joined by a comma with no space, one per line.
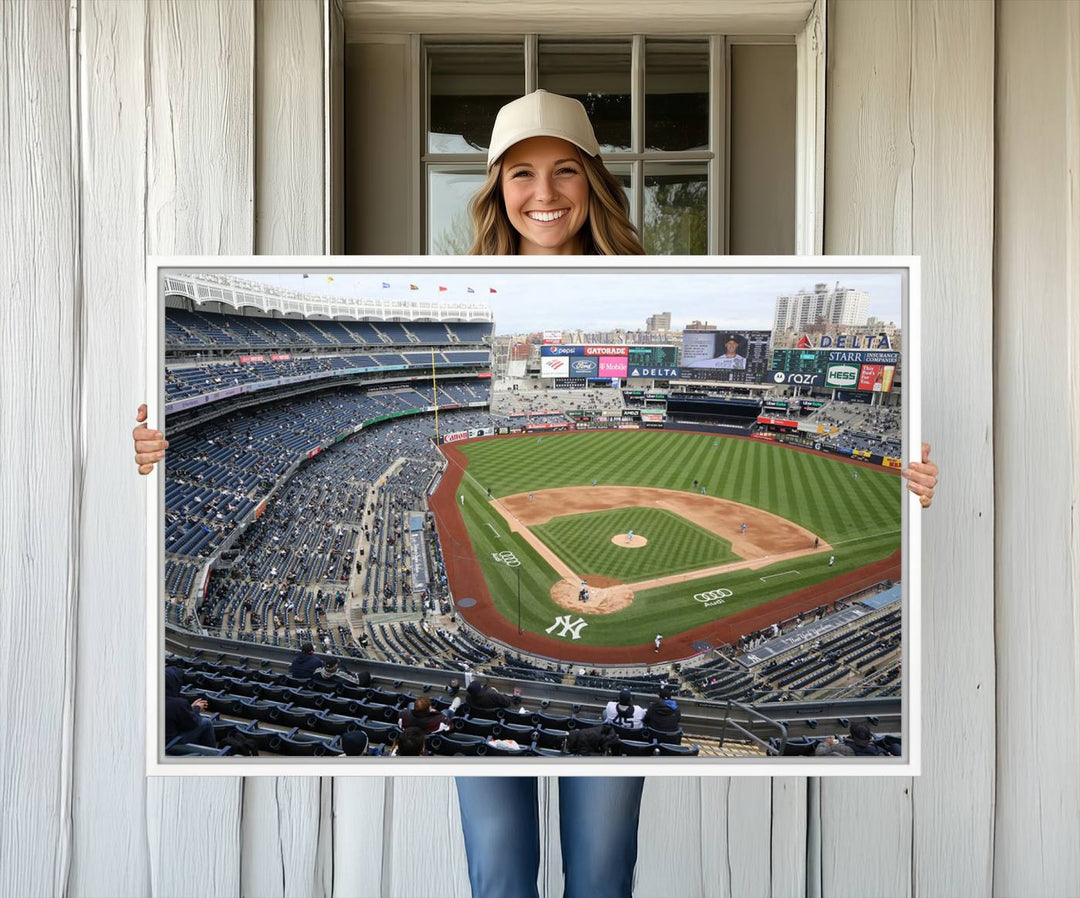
(953,132)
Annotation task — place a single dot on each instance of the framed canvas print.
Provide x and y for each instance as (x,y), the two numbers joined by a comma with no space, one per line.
(497,515)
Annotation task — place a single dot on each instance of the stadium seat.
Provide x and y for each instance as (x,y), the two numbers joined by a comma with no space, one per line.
(188,748)
(266,740)
(474,727)
(499,752)
(216,701)
(677,751)
(242,687)
(550,738)
(256,709)
(800,747)
(306,699)
(577,722)
(378,697)
(331,724)
(273,692)
(377,712)
(347,706)
(670,738)
(520,733)
(632,733)
(551,721)
(222,728)
(630,748)
(486,713)
(457,744)
(294,743)
(380,733)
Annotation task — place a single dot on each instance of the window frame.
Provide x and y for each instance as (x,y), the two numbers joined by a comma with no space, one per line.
(810,117)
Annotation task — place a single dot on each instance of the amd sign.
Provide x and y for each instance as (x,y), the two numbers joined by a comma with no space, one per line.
(795,380)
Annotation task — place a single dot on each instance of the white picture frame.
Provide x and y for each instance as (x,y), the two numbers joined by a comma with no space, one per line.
(484,269)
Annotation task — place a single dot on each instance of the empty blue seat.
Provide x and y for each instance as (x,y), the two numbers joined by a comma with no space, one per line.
(518,732)
(457,744)
(266,740)
(380,733)
(630,748)
(669,738)
(294,743)
(473,726)
(332,724)
(677,751)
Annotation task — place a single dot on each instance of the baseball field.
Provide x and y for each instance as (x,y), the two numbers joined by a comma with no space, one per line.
(721,526)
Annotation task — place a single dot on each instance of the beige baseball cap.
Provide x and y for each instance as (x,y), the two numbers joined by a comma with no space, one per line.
(541,114)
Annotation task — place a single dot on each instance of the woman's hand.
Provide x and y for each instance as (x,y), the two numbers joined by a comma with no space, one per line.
(922,477)
(150,445)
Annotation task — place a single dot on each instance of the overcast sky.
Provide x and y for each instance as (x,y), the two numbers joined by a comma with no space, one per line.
(527,302)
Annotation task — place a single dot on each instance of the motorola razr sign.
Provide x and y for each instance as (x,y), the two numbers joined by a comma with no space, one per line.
(792,379)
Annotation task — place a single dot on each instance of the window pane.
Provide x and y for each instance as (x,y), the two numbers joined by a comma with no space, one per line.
(676,209)
(676,95)
(467,85)
(597,74)
(449,192)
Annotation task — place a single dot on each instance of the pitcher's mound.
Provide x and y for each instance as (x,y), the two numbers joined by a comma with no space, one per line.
(602,599)
(622,539)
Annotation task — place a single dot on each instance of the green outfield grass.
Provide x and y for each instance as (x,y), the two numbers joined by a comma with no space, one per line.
(860,517)
(674,544)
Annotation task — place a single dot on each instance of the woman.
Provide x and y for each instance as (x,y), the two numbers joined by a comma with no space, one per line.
(547,193)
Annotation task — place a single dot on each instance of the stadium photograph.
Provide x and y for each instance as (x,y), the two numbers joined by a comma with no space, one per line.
(534,515)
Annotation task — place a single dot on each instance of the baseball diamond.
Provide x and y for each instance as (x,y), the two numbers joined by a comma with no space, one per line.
(788,497)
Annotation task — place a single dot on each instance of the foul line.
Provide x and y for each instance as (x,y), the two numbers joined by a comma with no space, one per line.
(857,539)
(493,530)
(781,574)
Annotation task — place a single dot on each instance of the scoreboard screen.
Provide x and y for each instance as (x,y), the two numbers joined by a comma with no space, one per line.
(727,356)
(865,370)
(653,356)
(798,367)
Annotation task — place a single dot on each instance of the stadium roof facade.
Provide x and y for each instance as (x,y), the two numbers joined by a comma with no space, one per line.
(239,293)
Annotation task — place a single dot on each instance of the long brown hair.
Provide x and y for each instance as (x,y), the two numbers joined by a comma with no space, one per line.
(608,230)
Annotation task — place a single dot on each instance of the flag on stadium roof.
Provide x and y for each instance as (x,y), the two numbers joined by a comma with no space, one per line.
(492,290)
(385,285)
(413,287)
(442,289)
(329,277)
(469,290)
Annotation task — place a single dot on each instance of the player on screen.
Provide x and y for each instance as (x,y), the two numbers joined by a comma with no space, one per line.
(730,360)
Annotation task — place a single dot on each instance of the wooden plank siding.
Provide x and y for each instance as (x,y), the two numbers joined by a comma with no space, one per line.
(199,196)
(41,314)
(1037,446)
(909,169)
(197,127)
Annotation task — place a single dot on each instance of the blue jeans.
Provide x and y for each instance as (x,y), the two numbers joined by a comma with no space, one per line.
(598,822)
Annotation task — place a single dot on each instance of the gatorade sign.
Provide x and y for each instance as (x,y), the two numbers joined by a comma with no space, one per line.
(843,377)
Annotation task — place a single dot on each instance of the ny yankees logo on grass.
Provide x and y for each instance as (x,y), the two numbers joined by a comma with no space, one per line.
(573,628)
